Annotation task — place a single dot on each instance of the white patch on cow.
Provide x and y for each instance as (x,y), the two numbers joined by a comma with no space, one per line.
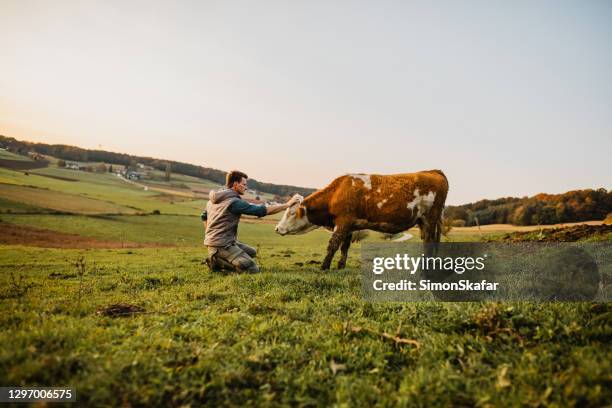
(414,202)
(422,202)
(378,190)
(380,204)
(367,183)
(428,200)
(391,196)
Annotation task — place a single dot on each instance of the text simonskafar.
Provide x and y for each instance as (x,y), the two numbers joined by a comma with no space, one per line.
(426,284)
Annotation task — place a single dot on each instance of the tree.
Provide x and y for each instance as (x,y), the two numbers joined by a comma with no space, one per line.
(61,163)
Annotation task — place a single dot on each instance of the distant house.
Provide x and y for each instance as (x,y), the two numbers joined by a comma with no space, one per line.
(73,166)
(144,167)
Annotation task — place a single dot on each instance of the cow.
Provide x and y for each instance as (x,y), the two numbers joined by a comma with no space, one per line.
(384,203)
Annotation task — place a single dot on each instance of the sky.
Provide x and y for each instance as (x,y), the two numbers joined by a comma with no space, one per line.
(507,98)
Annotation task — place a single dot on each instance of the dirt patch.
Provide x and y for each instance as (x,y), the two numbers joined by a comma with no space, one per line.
(567,234)
(22,164)
(11,234)
(119,310)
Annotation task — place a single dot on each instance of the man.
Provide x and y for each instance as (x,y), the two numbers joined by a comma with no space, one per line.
(222,215)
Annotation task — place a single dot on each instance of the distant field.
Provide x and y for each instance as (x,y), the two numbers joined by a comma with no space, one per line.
(16,207)
(103,187)
(12,156)
(60,201)
(486,229)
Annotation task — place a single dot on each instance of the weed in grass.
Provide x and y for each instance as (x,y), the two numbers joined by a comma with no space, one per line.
(18,286)
(80,272)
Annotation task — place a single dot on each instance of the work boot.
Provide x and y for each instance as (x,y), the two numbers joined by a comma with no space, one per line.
(211,266)
(217,264)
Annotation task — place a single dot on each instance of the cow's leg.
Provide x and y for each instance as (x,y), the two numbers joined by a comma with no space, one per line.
(344,250)
(334,243)
(431,226)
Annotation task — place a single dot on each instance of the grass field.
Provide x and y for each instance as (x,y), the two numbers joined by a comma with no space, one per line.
(105,188)
(291,335)
(12,156)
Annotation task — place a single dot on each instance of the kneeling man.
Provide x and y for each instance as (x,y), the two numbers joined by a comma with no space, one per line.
(222,215)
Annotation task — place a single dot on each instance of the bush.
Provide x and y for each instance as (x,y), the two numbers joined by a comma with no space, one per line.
(458,223)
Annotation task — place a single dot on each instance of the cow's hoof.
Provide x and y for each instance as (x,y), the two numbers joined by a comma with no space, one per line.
(341,265)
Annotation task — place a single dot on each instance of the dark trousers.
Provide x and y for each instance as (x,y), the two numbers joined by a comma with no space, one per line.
(238,257)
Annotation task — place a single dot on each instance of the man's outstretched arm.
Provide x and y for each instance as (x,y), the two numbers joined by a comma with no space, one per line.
(260,210)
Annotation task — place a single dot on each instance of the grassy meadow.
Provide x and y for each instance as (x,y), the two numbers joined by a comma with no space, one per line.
(290,335)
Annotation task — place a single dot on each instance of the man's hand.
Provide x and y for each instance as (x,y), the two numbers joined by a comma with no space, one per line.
(273,209)
(294,200)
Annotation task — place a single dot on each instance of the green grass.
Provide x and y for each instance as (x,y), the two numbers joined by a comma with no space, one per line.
(289,336)
(15,207)
(6,155)
(104,187)
(63,202)
(166,229)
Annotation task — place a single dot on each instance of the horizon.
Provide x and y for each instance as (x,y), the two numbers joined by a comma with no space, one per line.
(315,188)
(506,99)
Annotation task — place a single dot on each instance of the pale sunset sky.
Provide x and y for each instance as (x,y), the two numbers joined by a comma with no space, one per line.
(508,98)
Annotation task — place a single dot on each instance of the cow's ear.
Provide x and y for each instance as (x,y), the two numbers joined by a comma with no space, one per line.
(300,211)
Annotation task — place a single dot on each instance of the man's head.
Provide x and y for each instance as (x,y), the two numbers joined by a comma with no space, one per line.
(237,181)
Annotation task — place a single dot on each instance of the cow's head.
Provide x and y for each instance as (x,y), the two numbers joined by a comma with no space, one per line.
(294,220)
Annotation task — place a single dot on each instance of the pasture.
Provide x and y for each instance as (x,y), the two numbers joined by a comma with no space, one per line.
(6,155)
(290,335)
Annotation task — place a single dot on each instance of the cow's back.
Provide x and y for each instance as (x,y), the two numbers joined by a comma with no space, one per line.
(396,198)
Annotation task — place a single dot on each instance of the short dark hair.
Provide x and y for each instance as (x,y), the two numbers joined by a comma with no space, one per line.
(236,176)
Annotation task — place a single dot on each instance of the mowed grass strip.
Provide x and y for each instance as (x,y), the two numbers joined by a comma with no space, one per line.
(288,336)
(59,201)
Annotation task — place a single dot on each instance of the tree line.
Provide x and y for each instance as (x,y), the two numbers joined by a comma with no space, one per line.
(74,153)
(541,209)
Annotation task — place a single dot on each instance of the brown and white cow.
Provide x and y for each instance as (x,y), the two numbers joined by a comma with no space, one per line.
(385,203)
